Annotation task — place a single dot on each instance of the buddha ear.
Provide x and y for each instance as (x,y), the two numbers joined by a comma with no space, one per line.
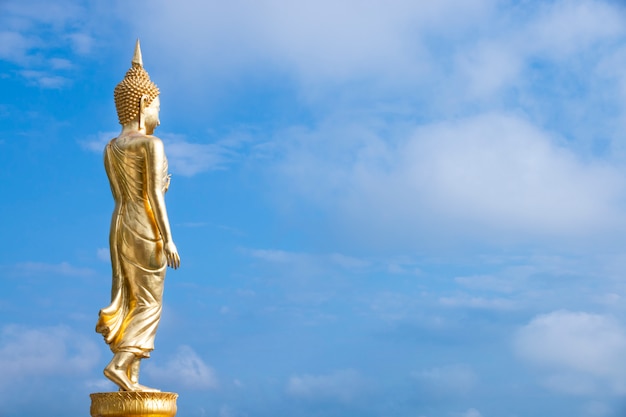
(142,107)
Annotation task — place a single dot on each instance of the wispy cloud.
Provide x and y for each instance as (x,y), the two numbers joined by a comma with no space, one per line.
(598,409)
(493,173)
(60,63)
(553,31)
(380,41)
(335,259)
(229,411)
(472,412)
(348,262)
(103,254)
(275,255)
(31,352)
(14,46)
(457,379)
(466,301)
(579,352)
(487,282)
(194,225)
(96,143)
(82,43)
(44,79)
(188,159)
(42,268)
(26,40)
(60,13)
(342,385)
(186,369)
(387,50)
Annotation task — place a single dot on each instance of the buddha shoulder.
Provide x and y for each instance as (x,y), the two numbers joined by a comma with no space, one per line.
(138,141)
(152,144)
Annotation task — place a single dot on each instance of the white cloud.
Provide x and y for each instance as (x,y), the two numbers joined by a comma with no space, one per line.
(511,280)
(82,43)
(337,259)
(44,79)
(275,255)
(35,32)
(486,282)
(342,385)
(319,40)
(384,48)
(568,26)
(395,306)
(501,169)
(578,350)
(490,173)
(395,267)
(609,299)
(96,143)
(101,385)
(14,46)
(226,411)
(188,159)
(554,30)
(465,301)
(348,262)
(489,66)
(472,412)
(60,63)
(103,254)
(194,224)
(28,353)
(598,409)
(41,268)
(185,369)
(608,69)
(57,14)
(452,379)
(570,383)
(580,341)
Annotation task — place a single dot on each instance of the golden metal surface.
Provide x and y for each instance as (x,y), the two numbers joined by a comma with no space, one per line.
(135,84)
(140,238)
(133,404)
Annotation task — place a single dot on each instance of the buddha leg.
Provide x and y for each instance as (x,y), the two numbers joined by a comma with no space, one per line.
(124,371)
(134,377)
(133,370)
(117,370)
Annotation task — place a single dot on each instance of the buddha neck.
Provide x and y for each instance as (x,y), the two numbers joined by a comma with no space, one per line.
(133,127)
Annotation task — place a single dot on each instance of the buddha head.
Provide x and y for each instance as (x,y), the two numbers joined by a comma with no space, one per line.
(137,97)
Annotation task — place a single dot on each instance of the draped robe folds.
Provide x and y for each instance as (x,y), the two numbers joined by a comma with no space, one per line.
(130,322)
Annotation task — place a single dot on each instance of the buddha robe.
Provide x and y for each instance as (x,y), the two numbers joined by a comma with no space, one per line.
(130,322)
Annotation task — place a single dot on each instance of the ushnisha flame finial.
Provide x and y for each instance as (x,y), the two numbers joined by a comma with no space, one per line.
(137,57)
(135,85)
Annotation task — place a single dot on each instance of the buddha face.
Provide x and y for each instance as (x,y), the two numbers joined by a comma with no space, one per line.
(151,116)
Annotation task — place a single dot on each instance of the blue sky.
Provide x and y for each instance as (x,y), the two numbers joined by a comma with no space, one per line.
(383,209)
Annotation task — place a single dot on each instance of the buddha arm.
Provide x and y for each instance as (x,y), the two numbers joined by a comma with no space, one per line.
(113,233)
(155,159)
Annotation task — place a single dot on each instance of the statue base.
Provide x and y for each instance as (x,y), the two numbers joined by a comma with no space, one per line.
(133,404)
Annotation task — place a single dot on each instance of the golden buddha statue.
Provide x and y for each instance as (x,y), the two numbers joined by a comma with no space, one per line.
(140,238)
